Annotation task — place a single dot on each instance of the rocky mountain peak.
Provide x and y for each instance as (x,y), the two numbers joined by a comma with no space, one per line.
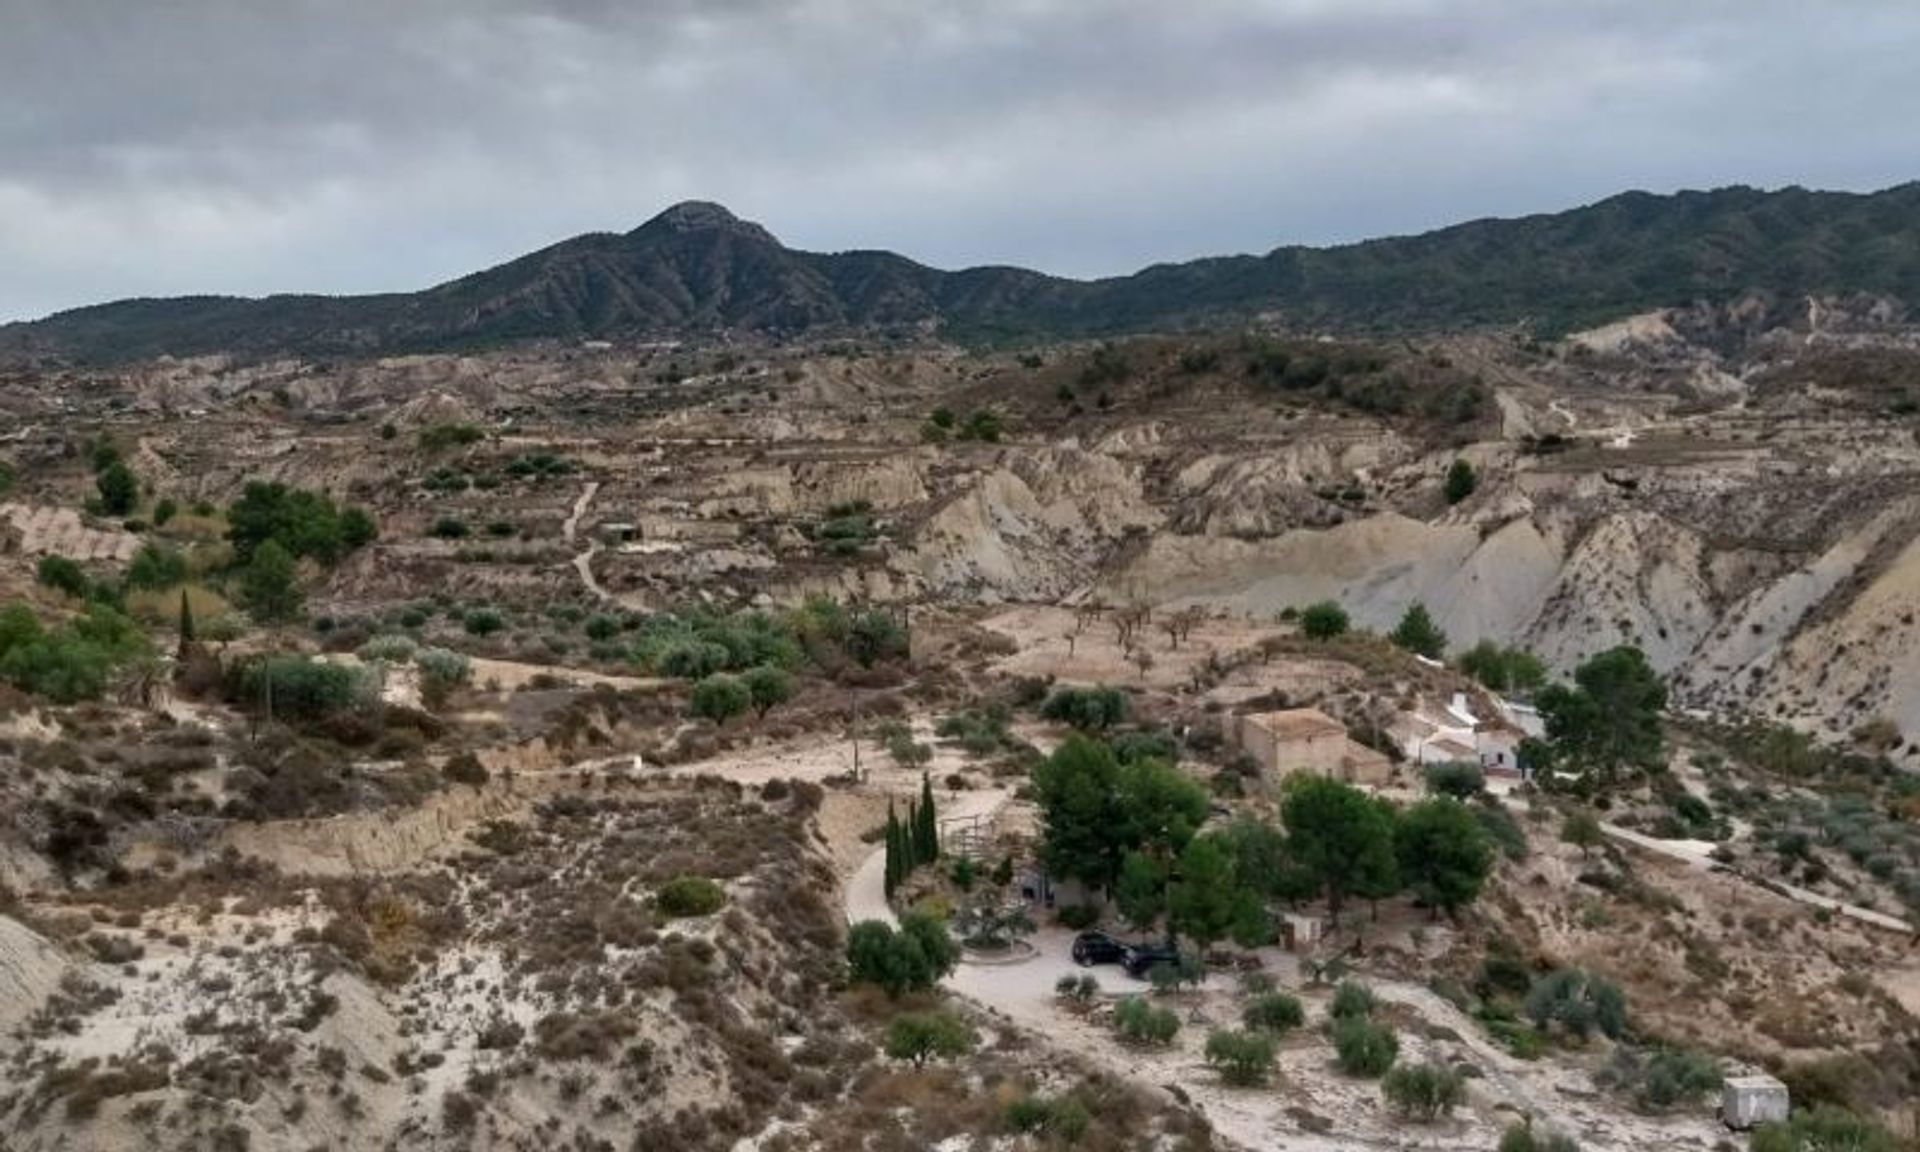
(690,216)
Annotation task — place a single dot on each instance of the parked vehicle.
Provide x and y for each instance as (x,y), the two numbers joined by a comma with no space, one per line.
(1090,948)
(1141,959)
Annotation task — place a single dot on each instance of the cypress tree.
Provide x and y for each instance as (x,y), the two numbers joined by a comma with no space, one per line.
(893,851)
(186,621)
(910,836)
(928,829)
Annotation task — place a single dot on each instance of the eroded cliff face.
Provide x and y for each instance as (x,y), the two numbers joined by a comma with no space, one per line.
(1760,549)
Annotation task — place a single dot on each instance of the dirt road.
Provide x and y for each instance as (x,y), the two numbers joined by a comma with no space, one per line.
(1698,854)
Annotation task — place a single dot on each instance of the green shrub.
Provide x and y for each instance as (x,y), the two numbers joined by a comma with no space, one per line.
(1323,620)
(1577,1004)
(441,671)
(982,425)
(1522,1138)
(64,575)
(1079,989)
(690,896)
(1501,829)
(1141,1022)
(768,687)
(464,768)
(119,488)
(449,528)
(1364,1047)
(1825,1128)
(389,648)
(1423,1092)
(1242,1058)
(164,512)
(1659,1080)
(270,585)
(1461,481)
(1157,744)
(1274,1012)
(719,698)
(1417,633)
(1061,1118)
(1088,709)
(1078,917)
(1503,669)
(483,622)
(1460,779)
(302,688)
(601,626)
(1352,999)
(439,437)
(921,1036)
(979,733)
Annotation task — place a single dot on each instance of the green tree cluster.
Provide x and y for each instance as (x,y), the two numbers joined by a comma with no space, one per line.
(913,841)
(1096,810)
(116,483)
(1088,709)
(306,525)
(301,688)
(1608,722)
(63,574)
(1508,669)
(1443,853)
(270,585)
(77,661)
(1417,633)
(911,958)
(154,567)
(1341,839)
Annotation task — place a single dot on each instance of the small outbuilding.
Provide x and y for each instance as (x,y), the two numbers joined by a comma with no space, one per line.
(1750,1101)
(1307,740)
(1293,740)
(1498,745)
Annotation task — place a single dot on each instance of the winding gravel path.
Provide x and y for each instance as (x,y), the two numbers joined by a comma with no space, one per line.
(583,563)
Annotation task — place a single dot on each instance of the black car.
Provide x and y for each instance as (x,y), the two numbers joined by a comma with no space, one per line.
(1141,959)
(1090,948)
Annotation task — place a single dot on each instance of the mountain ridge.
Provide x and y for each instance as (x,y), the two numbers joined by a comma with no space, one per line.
(697,269)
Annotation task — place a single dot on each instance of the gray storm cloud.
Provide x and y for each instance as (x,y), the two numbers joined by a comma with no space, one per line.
(250,146)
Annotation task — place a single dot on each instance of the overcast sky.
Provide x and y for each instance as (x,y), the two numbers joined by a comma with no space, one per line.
(252,146)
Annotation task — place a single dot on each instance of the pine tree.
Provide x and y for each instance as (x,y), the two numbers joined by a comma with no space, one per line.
(928,830)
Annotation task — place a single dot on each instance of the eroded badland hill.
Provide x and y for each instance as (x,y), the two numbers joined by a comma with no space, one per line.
(492,750)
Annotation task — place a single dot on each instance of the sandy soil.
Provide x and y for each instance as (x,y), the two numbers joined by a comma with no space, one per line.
(508,675)
(47,531)
(1093,656)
